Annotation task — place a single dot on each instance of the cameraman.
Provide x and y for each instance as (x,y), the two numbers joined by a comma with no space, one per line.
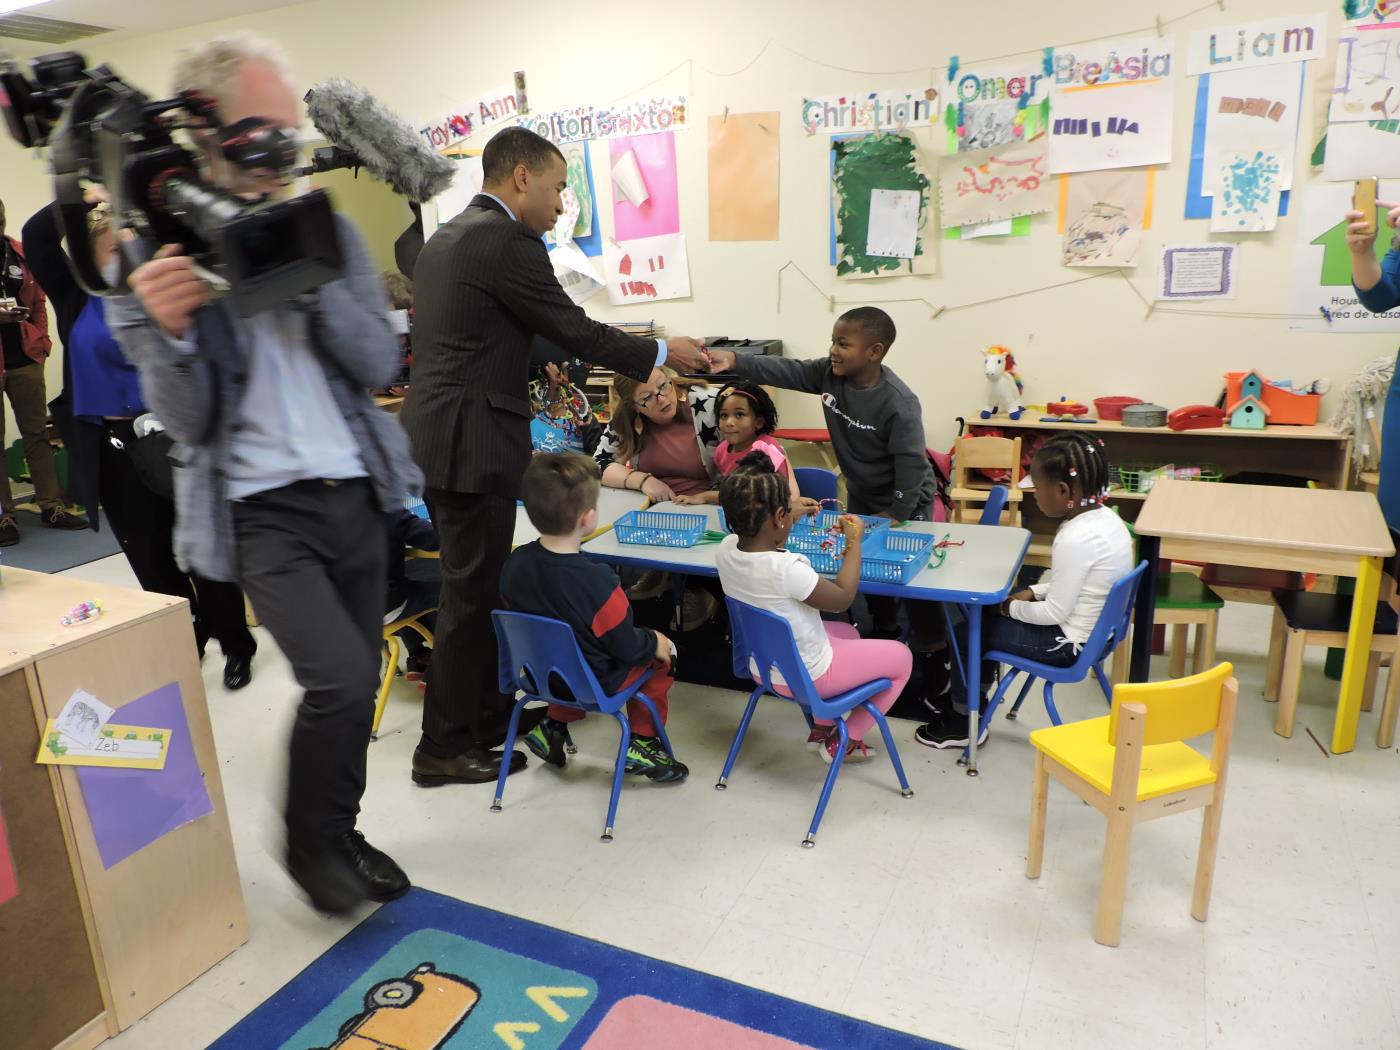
(283,469)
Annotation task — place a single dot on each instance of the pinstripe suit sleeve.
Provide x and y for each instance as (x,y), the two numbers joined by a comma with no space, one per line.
(530,290)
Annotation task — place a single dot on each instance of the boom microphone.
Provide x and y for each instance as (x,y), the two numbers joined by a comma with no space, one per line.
(364,133)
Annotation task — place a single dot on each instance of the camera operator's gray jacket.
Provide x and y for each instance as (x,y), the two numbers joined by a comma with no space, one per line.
(195,389)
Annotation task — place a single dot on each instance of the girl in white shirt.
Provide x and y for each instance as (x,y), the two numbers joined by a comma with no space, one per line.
(1050,621)
(756,569)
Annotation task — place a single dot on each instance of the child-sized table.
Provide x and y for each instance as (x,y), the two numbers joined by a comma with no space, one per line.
(1266,527)
(981,572)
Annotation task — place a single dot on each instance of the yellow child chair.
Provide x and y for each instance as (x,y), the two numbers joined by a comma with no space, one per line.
(395,649)
(1132,766)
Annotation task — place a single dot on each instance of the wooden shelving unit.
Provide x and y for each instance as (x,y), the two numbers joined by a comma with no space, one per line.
(1316,453)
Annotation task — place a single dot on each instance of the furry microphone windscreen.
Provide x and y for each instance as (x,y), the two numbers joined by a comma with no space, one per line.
(386,144)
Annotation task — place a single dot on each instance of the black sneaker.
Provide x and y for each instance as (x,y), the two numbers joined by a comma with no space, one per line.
(647,758)
(887,634)
(547,741)
(950,731)
(60,518)
(9,531)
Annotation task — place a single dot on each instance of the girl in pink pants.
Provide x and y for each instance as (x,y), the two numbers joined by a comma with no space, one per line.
(756,569)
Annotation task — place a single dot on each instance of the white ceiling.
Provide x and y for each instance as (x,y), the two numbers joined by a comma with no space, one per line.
(148,16)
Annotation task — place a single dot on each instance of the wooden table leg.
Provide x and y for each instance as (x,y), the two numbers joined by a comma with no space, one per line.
(1363,617)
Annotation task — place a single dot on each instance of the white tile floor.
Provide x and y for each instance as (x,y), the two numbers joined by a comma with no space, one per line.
(914,914)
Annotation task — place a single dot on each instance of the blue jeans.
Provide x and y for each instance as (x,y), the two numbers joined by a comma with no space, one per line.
(1389,494)
(1038,642)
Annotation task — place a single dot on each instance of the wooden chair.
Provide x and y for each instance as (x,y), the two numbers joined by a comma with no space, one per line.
(1132,766)
(394,649)
(970,488)
(1301,620)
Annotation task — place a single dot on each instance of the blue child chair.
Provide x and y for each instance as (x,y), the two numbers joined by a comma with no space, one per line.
(996,503)
(766,640)
(1109,632)
(540,658)
(815,482)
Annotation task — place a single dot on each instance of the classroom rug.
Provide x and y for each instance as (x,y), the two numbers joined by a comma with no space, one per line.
(429,972)
(53,550)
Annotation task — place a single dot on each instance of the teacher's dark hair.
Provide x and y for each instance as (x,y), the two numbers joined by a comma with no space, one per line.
(512,147)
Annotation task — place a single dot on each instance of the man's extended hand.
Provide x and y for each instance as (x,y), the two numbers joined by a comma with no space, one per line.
(722,360)
(686,355)
(169,289)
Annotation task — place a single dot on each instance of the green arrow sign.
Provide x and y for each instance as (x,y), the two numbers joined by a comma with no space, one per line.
(1336,256)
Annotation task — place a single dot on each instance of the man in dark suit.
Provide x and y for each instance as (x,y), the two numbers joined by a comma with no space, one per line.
(484,288)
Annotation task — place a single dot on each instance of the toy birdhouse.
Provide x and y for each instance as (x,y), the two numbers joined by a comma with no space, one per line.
(1249,413)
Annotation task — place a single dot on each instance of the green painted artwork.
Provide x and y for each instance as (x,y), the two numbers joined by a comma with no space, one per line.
(861,164)
(576,174)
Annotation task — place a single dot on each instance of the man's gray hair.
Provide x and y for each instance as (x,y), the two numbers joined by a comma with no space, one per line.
(211,69)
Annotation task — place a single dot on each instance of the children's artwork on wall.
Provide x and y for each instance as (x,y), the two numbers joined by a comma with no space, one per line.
(1362,150)
(1252,44)
(859,165)
(1254,109)
(1367,84)
(641,117)
(1197,271)
(1199,189)
(1323,297)
(880,110)
(647,270)
(992,184)
(744,166)
(452,201)
(1103,214)
(494,106)
(994,106)
(581,185)
(894,224)
(1112,105)
(645,203)
(577,274)
(1247,193)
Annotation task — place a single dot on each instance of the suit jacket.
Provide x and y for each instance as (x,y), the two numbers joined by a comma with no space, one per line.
(483,288)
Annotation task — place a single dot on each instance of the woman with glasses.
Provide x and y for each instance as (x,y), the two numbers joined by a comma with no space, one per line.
(661,442)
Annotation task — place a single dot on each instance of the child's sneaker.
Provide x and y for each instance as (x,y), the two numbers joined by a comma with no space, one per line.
(856,750)
(818,737)
(947,731)
(647,758)
(547,741)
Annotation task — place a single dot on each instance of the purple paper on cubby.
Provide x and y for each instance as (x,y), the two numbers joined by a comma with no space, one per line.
(131,808)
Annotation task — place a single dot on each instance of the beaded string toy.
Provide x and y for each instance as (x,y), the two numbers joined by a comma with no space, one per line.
(81,613)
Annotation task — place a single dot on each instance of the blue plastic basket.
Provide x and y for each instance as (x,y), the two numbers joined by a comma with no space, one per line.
(655,528)
(825,520)
(808,534)
(887,555)
(895,555)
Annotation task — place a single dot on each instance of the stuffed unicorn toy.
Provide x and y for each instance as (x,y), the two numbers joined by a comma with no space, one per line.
(1003,384)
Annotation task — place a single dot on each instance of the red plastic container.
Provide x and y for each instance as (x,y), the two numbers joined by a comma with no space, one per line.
(1112,407)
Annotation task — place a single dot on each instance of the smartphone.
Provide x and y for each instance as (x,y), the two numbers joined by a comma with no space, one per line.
(1364,200)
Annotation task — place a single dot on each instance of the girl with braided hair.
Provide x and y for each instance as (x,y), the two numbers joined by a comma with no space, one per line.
(1051,620)
(756,568)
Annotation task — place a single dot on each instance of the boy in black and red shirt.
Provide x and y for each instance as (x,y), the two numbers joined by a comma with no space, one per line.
(551,578)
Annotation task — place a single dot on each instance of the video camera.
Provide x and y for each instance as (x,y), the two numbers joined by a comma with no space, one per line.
(100,129)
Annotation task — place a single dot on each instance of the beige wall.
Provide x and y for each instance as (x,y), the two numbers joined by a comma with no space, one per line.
(422,58)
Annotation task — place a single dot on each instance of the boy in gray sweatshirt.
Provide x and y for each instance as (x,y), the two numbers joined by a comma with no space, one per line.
(877,431)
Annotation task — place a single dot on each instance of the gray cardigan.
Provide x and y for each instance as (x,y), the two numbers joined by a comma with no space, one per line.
(196,393)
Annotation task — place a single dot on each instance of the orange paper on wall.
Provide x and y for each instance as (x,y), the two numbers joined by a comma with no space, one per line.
(744,177)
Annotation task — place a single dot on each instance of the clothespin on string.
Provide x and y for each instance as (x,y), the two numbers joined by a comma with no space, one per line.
(725,118)
(936,312)
(1161,30)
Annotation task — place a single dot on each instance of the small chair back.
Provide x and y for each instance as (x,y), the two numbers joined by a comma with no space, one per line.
(1177,709)
(1115,620)
(815,482)
(996,503)
(538,654)
(764,641)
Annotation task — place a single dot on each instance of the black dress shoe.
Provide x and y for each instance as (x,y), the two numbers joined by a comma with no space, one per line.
(238,671)
(385,879)
(328,877)
(474,767)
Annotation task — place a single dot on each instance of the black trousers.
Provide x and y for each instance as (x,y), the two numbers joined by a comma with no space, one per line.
(925,618)
(311,557)
(464,708)
(143,522)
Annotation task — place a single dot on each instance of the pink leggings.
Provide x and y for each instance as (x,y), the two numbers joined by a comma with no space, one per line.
(855,661)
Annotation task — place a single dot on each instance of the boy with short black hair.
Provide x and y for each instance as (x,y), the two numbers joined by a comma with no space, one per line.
(550,577)
(877,432)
